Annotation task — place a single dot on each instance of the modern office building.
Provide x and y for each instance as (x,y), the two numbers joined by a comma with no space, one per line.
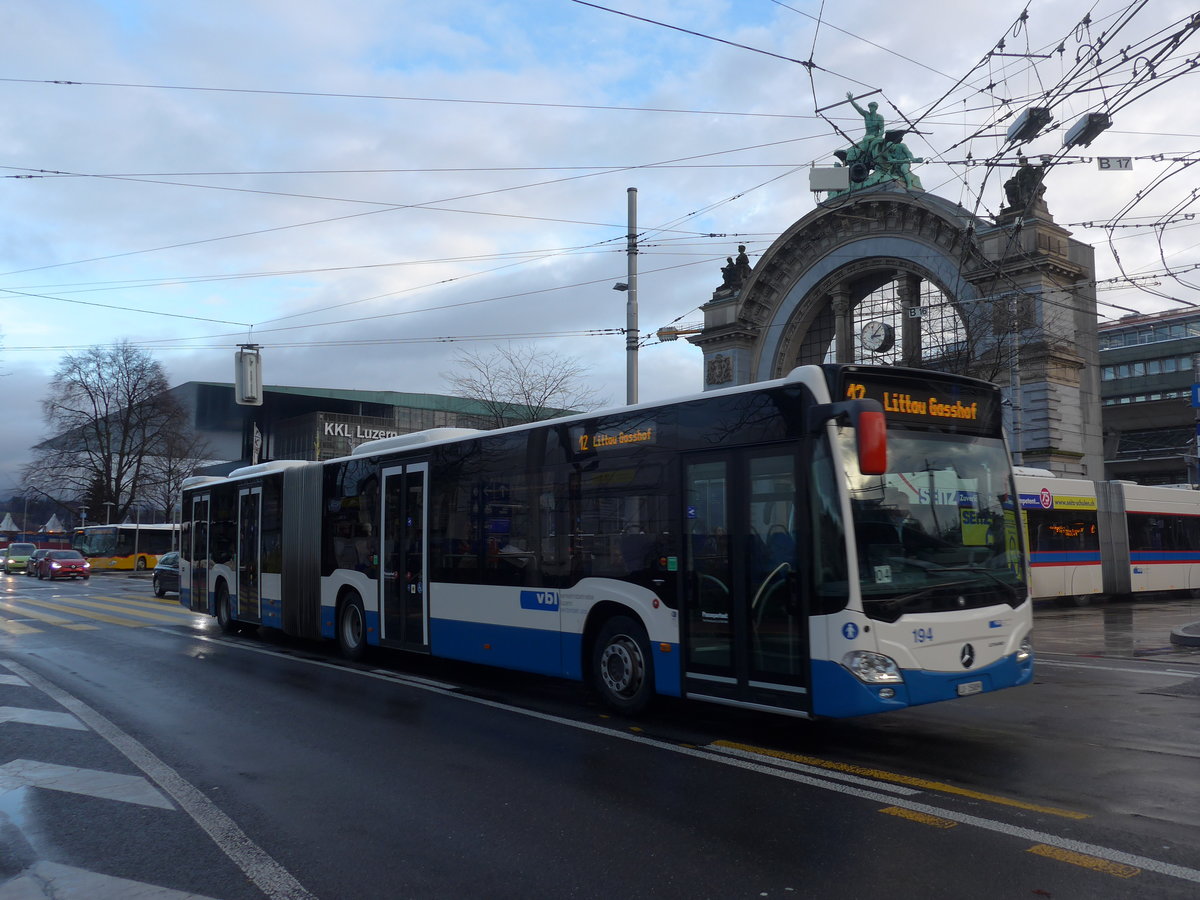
(1147,369)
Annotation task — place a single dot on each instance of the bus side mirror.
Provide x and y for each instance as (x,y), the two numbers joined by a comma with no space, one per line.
(871,433)
(870,430)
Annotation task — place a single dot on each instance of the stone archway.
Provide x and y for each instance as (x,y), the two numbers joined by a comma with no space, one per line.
(1020,282)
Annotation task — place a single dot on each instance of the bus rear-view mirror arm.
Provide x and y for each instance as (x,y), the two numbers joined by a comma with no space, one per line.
(870,429)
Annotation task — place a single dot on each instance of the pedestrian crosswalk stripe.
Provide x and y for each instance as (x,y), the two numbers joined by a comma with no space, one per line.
(72,882)
(74,780)
(175,610)
(18,627)
(74,604)
(48,618)
(88,614)
(24,716)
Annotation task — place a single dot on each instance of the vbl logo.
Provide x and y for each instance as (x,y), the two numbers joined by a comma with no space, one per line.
(547,600)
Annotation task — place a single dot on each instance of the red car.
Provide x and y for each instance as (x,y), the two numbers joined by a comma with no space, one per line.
(63,564)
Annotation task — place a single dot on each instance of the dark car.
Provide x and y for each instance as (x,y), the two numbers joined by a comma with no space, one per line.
(166,574)
(31,567)
(63,564)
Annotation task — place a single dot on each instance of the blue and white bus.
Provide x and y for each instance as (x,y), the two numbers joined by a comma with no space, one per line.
(841,541)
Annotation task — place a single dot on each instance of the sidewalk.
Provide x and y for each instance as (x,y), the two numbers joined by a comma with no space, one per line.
(1132,629)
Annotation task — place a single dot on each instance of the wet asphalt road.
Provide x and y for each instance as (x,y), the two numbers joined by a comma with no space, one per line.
(256,766)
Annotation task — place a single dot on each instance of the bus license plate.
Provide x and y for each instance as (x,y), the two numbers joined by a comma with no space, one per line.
(970,687)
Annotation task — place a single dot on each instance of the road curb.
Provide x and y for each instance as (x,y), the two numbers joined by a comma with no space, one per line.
(1186,635)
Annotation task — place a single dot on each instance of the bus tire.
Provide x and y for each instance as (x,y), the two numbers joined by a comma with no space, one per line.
(352,628)
(1073,601)
(225,617)
(140,565)
(622,668)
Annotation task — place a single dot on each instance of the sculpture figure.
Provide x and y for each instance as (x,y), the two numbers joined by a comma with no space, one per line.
(742,265)
(1025,187)
(872,121)
(735,272)
(879,156)
(895,162)
(729,277)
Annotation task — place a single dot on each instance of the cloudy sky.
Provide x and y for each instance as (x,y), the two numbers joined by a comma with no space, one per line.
(366,187)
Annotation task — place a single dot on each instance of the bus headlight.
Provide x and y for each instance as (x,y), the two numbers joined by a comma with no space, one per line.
(1025,651)
(872,668)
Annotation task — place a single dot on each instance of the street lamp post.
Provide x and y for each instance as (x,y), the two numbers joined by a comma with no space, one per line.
(108,505)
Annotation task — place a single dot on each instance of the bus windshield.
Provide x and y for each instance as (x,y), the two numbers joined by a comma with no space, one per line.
(939,531)
(96,543)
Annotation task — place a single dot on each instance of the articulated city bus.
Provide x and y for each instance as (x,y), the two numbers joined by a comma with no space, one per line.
(125,547)
(841,541)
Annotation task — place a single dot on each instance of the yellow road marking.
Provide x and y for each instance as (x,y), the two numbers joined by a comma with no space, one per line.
(923,818)
(45,617)
(133,608)
(87,614)
(1087,862)
(896,778)
(18,627)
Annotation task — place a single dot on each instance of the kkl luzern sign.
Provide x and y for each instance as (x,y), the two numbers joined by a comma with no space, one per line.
(343,429)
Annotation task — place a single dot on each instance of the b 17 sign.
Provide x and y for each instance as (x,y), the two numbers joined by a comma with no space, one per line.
(1114,163)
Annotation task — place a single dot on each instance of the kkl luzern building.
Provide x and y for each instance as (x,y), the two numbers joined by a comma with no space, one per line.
(313,423)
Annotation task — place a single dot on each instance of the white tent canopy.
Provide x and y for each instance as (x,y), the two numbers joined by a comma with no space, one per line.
(8,524)
(53,526)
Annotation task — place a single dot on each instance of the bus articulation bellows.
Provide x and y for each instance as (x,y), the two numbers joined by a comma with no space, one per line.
(841,541)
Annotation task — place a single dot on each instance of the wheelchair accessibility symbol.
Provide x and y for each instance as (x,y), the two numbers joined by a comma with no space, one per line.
(849,631)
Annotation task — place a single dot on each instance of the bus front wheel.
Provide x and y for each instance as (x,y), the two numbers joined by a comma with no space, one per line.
(352,628)
(622,669)
(225,617)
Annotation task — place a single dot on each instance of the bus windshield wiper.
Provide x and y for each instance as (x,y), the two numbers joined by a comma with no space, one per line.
(903,599)
(980,570)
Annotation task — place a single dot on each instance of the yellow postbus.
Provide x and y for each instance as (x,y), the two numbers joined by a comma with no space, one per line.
(124,547)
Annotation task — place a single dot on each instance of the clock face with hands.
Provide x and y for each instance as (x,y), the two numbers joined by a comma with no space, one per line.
(878,337)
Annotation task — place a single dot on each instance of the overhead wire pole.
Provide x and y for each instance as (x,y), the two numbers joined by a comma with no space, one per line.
(631,310)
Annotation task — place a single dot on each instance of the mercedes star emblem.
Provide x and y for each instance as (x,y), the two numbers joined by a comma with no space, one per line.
(967,656)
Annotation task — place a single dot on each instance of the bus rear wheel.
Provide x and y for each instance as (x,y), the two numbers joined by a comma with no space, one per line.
(352,628)
(622,669)
(225,617)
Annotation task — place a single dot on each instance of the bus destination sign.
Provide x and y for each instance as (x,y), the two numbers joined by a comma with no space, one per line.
(935,402)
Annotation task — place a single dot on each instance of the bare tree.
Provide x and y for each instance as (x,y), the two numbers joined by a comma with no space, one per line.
(517,384)
(180,454)
(109,414)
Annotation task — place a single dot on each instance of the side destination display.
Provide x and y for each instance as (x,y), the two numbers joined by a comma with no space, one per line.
(932,402)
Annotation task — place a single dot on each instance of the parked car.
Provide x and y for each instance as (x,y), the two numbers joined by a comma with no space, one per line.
(31,567)
(166,574)
(16,557)
(64,564)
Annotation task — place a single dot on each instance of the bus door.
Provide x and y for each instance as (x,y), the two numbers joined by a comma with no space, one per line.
(404,610)
(745,623)
(198,581)
(249,558)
